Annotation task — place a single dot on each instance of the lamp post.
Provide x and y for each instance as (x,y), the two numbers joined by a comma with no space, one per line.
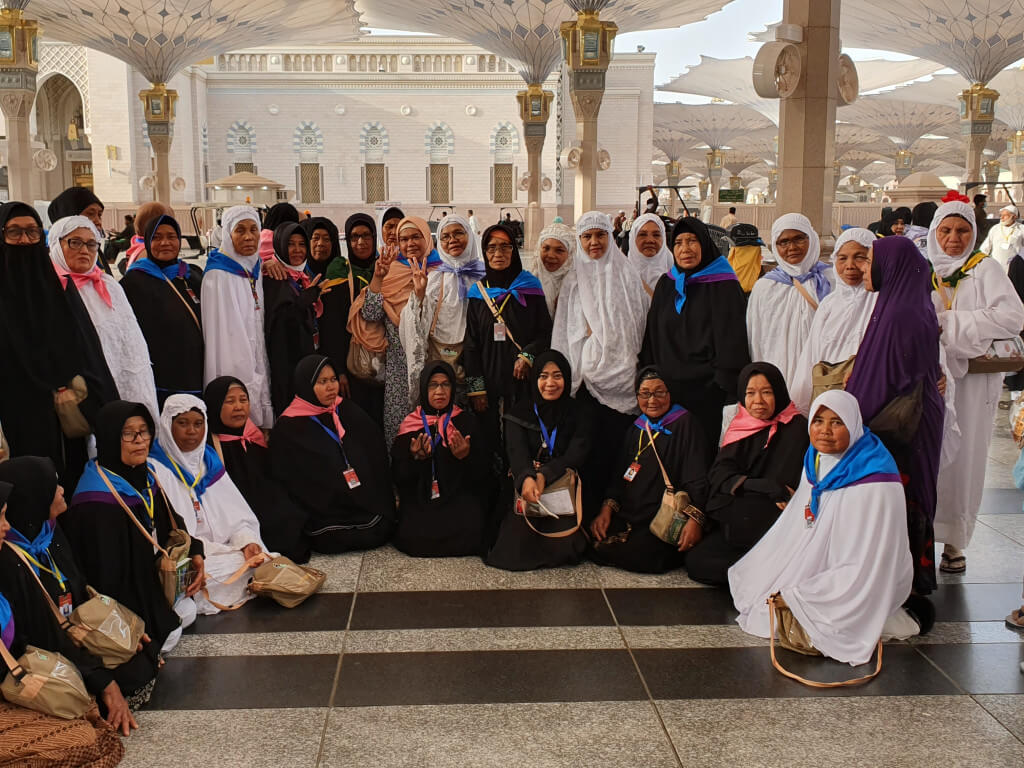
(158,105)
(534,110)
(19,63)
(587,50)
(715,160)
(672,174)
(903,164)
(977,112)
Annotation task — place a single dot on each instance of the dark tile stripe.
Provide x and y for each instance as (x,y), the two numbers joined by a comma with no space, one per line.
(747,673)
(245,682)
(1001,501)
(323,612)
(655,607)
(975,602)
(389,679)
(981,668)
(481,608)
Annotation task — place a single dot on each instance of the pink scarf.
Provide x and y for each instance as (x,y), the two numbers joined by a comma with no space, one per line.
(300,407)
(414,421)
(93,277)
(266,244)
(251,434)
(136,250)
(743,425)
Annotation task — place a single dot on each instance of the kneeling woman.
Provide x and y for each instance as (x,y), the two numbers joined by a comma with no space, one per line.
(243,449)
(754,473)
(545,436)
(839,553)
(666,436)
(440,467)
(332,459)
(193,477)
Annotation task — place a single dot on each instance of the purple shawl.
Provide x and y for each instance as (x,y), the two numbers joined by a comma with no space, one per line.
(822,287)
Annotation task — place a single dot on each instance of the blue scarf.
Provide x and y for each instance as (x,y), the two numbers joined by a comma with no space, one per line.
(175,269)
(674,413)
(822,286)
(717,271)
(218,261)
(6,630)
(524,285)
(38,546)
(92,489)
(471,272)
(433,260)
(866,461)
(213,467)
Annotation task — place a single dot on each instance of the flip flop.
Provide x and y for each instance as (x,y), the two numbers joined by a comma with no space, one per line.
(956,564)
(1016,620)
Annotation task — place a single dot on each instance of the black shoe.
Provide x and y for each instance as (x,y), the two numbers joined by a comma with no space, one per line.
(922,611)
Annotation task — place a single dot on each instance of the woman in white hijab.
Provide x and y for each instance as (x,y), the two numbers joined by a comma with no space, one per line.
(842,317)
(214,510)
(599,327)
(783,302)
(74,245)
(556,249)
(233,311)
(839,552)
(976,304)
(647,250)
(437,310)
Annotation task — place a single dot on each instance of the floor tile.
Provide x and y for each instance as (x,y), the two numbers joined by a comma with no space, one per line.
(691,636)
(230,738)
(481,608)
(991,558)
(562,735)
(1001,501)
(1008,710)
(616,578)
(483,639)
(671,606)
(486,677)
(252,682)
(1010,525)
(260,644)
(992,668)
(946,632)
(324,611)
(851,732)
(342,570)
(720,673)
(976,602)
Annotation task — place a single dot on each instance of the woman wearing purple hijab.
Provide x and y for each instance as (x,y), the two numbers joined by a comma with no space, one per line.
(899,354)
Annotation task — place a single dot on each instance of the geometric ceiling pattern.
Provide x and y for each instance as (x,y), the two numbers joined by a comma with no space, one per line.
(526,32)
(945,89)
(903,122)
(160,37)
(715,125)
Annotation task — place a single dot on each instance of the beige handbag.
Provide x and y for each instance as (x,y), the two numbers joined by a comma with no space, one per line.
(792,636)
(829,376)
(446,353)
(570,482)
(675,510)
(45,682)
(364,365)
(285,582)
(72,423)
(101,625)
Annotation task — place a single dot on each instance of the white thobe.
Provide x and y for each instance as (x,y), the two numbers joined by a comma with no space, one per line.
(1003,243)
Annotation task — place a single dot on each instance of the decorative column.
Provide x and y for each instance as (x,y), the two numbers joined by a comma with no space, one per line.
(715,158)
(534,109)
(158,105)
(672,174)
(977,111)
(903,164)
(19,62)
(773,184)
(990,174)
(1015,145)
(702,188)
(587,50)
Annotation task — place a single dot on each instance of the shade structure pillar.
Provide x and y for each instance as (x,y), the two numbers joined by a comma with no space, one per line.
(903,164)
(807,117)
(672,174)
(158,106)
(977,113)
(534,109)
(715,159)
(990,174)
(587,48)
(17,93)
(1016,161)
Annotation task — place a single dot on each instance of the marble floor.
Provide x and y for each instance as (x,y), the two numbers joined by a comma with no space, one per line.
(409,662)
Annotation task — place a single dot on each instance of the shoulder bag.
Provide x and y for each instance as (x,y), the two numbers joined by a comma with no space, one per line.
(45,682)
(899,419)
(66,401)
(806,294)
(446,353)
(829,376)
(360,362)
(569,482)
(1003,356)
(285,582)
(675,510)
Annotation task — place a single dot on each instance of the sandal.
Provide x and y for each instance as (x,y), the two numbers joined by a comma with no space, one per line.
(956,564)
(1016,619)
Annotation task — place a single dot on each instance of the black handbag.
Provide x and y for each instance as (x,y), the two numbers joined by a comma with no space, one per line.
(898,421)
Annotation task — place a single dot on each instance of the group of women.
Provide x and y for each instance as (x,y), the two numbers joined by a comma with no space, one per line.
(440,396)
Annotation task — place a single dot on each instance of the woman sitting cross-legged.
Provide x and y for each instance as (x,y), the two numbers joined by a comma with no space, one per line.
(545,435)
(242,447)
(839,553)
(754,473)
(193,477)
(332,459)
(441,473)
(666,436)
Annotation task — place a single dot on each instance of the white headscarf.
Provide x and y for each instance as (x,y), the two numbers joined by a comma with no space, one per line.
(174,406)
(230,219)
(552,281)
(800,223)
(848,409)
(849,307)
(451,321)
(650,269)
(600,322)
(943,264)
(64,227)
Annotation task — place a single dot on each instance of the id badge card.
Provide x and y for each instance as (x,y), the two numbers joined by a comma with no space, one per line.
(435,490)
(64,605)
(351,478)
(316,340)
(808,517)
(499,332)
(631,473)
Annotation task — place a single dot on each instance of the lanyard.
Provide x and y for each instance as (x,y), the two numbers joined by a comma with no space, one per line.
(442,429)
(55,571)
(191,488)
(547,440)
(149,490)
(941,288)
(640,447)
(334,437)
(810,517)
(502,307)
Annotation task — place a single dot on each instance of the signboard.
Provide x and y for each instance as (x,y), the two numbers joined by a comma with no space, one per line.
(732,195)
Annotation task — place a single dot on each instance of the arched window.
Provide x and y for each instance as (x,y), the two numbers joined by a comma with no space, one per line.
(440,143)
(373,144)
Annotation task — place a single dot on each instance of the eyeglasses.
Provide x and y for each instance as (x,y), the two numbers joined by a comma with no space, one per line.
(32,234)
(658,394)
(130,436)
(458,234)
(790,242)
(354,238)
(76,244)
(490,250)
(436,385)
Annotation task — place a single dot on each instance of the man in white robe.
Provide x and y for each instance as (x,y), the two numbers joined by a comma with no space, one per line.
(1006,239)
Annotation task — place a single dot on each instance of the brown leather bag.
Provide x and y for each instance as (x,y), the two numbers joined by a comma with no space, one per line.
(675,510)
(828,376)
